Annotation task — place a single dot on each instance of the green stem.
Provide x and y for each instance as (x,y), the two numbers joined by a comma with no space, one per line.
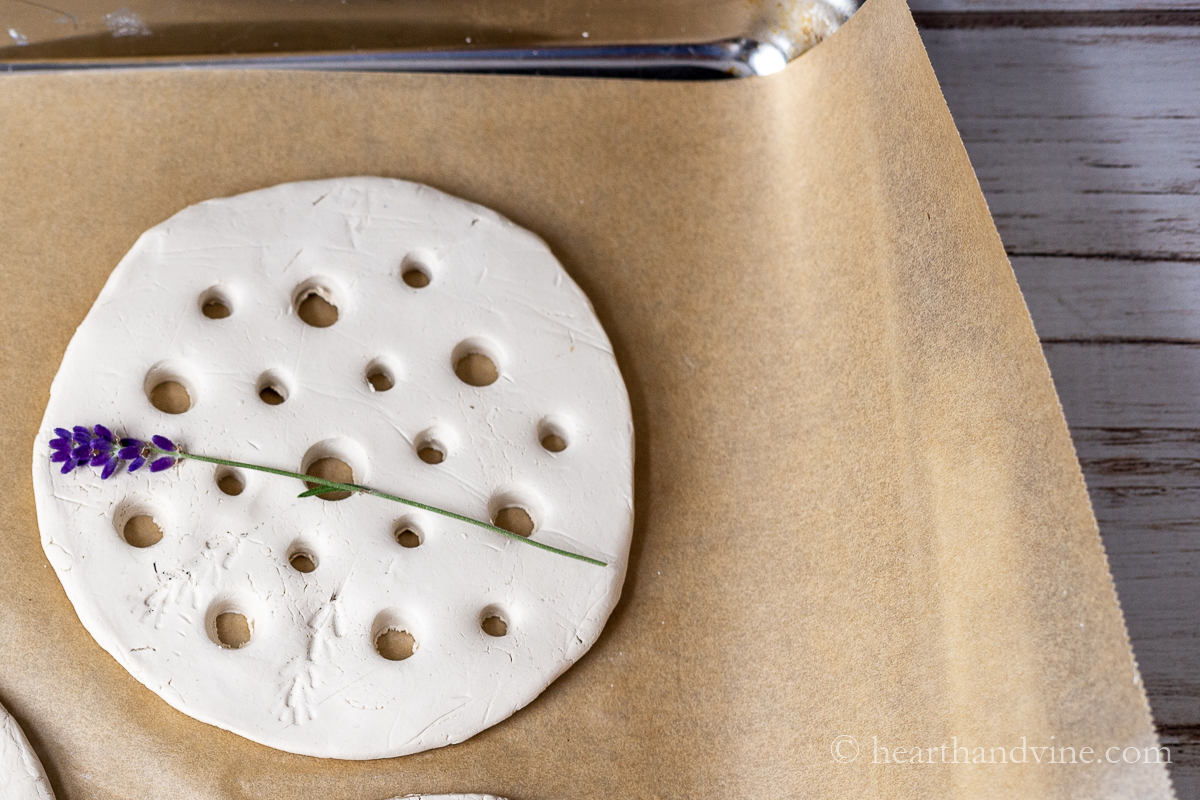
(354,487)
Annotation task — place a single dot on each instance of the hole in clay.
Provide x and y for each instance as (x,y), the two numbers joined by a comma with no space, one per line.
(416,278)
(142,531)
(380,381)
(230,481)
(271,396)
(476,369)
(493,624)
(337,460)
(553,435)
(380,376)
(229,624)
(409,532)
(302,562)
(331,469)
(215,304)
(430,446)
(215,309)
(302,559)
(317,311)
(171,397)
(168,390)
(516,512)
(233,630)
(393,636)
(415,270)
(514,519)
(395,645)
(475,363)
(273,388)
(315,304)
(139,523)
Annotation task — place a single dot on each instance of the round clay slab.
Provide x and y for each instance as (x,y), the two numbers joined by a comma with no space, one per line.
(438,352)
(21,773)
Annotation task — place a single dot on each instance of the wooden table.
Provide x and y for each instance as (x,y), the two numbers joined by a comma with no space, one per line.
(1084,128)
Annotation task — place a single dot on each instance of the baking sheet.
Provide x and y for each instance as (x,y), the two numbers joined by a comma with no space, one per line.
(859,513)
(91,28)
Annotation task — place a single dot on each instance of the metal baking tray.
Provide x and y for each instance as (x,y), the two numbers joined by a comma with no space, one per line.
(674,39)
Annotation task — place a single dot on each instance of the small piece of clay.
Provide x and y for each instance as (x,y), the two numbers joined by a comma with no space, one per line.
(279,328)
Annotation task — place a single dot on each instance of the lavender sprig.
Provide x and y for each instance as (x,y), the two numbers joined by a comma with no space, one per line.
(99,447)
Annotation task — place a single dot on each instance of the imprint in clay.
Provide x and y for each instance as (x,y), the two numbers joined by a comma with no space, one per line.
(279,328)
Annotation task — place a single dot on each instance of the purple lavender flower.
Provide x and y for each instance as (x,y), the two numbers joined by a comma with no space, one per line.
(99,447)
(62,450)
(102,451)
(131,451)
(163,443)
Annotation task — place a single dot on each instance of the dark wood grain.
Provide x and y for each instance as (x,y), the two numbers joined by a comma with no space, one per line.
(1086,141)
(1040,18)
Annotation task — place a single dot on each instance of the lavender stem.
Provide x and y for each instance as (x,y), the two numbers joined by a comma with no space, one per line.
(353,487)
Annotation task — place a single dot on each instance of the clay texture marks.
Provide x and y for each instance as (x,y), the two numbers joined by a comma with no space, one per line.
(364,330)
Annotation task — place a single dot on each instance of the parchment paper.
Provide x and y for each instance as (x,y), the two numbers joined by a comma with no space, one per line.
(859,513)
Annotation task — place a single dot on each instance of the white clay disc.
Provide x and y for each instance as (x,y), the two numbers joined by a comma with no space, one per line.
(21,773)
(373,389)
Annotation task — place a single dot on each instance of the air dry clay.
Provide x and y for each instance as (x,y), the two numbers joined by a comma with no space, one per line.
(395,337)
(21,774)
